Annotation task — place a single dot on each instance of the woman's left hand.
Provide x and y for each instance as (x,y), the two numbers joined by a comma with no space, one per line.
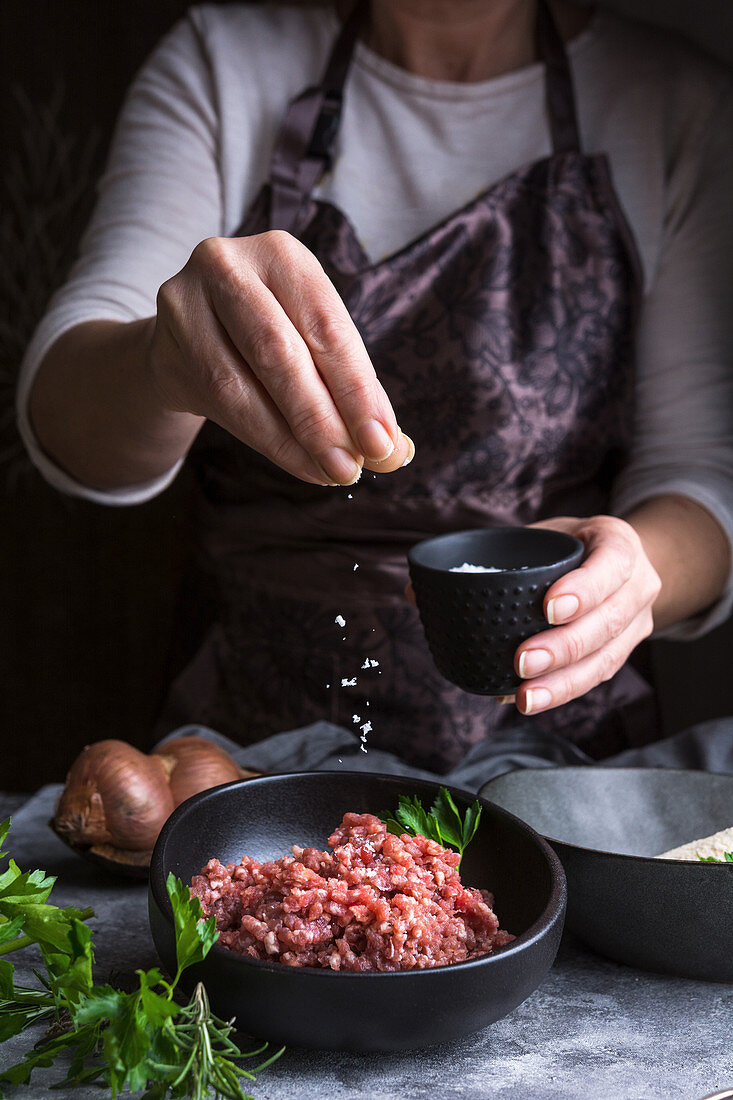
(599,614)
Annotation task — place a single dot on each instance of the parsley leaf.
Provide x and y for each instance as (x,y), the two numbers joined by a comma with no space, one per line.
(727,858)
(442,822)
(450,824)
(142,1039)
(411,814)
(70,969)
(194,936)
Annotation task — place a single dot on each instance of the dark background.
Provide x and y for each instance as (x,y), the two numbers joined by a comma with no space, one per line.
(93,600)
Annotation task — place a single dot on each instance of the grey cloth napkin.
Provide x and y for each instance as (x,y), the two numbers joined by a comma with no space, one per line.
(326,747)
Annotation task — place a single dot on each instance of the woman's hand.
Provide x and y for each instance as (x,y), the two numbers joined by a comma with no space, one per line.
(252,334)
(600,612)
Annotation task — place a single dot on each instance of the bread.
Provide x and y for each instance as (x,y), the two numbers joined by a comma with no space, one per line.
(715,845)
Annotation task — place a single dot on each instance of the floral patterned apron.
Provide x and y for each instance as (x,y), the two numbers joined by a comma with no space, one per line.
(503,337)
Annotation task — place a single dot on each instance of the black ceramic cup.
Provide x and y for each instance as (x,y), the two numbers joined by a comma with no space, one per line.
(474,621)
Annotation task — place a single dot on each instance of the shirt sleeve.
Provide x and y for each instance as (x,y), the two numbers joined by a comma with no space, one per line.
(159,196)
(684,414)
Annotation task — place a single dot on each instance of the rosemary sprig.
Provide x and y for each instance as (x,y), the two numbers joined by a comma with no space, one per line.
(27,1006)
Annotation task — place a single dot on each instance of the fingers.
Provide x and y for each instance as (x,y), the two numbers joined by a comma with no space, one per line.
(605,607)
(612,551)
(265,429)
(262,344)
(587,633)
(338,356)
(210,379)
(555,688)
(274,352)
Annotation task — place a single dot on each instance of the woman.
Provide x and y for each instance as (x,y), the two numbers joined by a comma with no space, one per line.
(428,237)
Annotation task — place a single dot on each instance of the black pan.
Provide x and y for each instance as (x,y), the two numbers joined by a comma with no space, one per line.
(360,1011)
(606,825)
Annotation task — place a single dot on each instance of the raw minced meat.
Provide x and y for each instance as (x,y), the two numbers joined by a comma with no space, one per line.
(375,902)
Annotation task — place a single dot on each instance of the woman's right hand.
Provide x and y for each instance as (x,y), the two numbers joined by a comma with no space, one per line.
(253,335)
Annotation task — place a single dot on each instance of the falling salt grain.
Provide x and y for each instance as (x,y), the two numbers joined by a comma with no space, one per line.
(349,496)
(369,662)
(348,683)
(340,620)
(366,728)
(356,718)
(356,566)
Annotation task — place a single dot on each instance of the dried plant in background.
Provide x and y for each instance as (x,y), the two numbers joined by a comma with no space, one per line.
(46,193)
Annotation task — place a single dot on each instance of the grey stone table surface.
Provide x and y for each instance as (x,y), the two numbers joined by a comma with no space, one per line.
(594,1030)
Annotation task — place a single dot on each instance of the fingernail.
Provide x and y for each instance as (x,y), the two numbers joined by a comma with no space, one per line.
(561,609)
(533,661)
(340,466)
(410,452)
(502,700)
(375,441)
(536,699)
(319,475)
(327,480)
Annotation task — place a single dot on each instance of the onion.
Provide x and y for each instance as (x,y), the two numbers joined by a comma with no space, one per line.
(199,764)
(116,795)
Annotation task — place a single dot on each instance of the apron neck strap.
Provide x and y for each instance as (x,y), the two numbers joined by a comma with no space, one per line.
(559,90)
(304,145)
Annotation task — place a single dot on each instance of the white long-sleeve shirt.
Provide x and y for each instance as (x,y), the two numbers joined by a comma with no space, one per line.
(192,148)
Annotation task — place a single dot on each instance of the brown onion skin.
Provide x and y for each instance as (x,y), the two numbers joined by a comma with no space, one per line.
(199,764)
(116,795)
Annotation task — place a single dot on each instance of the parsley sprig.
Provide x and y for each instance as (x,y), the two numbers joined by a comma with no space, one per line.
(727,858)
(141,1039)
(442,822)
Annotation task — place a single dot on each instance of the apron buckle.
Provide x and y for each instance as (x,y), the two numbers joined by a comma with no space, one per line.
(325,130)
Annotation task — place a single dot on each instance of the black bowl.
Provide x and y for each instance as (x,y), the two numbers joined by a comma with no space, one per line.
(474,622)
(360,1011)
(606,824)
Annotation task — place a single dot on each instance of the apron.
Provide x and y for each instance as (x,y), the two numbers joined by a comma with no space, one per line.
(503,337)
